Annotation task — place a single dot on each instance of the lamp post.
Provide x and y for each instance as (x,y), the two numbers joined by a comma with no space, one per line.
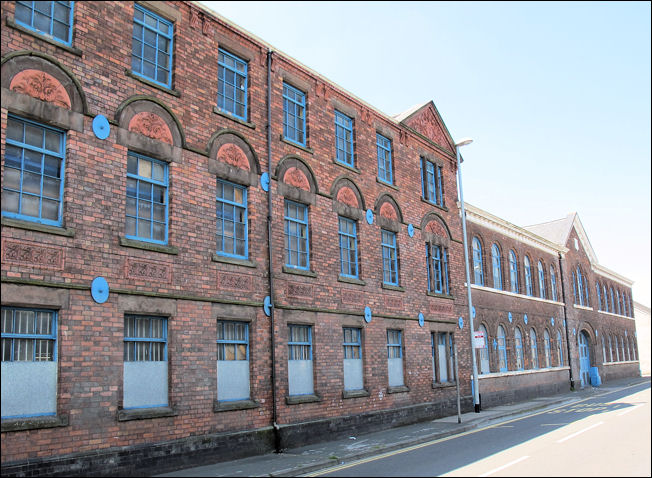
(476,393)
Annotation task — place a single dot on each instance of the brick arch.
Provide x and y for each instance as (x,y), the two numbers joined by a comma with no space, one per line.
(294,171)
(230,147)
(433,225)
(152,118)
(42,77)
(346,191)
(387,207)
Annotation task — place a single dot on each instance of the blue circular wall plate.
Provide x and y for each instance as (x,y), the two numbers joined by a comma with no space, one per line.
(460,322)
(421,320)
(525,318)
(367,314)
(264,182)
(267,306)
(370,216)
(100,290)
(101,127)
(552,321)
(410,230)
(509,316)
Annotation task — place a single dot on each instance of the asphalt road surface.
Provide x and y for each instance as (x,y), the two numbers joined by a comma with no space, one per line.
(605,435)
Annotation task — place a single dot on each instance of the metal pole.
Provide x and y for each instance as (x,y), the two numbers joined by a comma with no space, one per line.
(476,393)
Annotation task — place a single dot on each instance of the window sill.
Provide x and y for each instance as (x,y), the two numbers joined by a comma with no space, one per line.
(443,384)
(71,49)
(355,393)
(148,246)
(145,413)
(222,406)
(298,399)
(346,166)
(297,145)
(440,296)
(350,280)
(152,84)
(33,423)
(233,260)
(389,185)
(34,226)
(399,389)
(224,114)
(397,288)
(443,208)
(299,272)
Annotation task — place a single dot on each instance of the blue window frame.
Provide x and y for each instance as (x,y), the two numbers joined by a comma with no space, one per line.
(390,260)
(502,351)
(51,19)
(533,349)
(553,283)
(32,187)
(232,84)
(348,247)
(437,262)
(344,139)
(384,153)
(598,294)
(29,335)
(518,345)
(394,344)
(547,348)
(528,276)
(613,305)
(579,289)
(618,303)
(513,272)
(232,230)
(151,51)
(478,275)
(352,343)
(145,338)
(294,115)
(431,182)
(560,349)
(496,267)
(232,340)
(542,281)
(297,246)
(147,199)
(300,342)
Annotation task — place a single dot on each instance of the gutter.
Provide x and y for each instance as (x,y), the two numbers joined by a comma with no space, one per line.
(563,298)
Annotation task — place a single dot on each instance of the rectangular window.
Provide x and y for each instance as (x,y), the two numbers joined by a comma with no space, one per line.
(232,361)
(147,198)
(437,261)
(297,247)
(348,247)
(442,356)
(343,139)
(384,153)
(145,362)
(300,375)
(352,359)
(390,261)
(394,358)
(232,84)
(29,362)
(32,187)
(431,182)
(51,19)
(151,51)
(231,220)
(294,119)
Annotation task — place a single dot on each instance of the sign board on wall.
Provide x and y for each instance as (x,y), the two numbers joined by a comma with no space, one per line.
(478,339)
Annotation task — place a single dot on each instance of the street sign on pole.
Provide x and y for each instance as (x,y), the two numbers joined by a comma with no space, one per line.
(478,339)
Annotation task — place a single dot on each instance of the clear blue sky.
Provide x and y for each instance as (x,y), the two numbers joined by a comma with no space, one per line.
(555,95)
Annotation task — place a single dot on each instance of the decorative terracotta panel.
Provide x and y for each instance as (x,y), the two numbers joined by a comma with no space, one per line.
(393,302)
(436,228)
(441,309)
(36,255)
(388,211)
(42,86)
(152,126)
(237,282)
(347,196)
(232,154)
(296,289)
(352,297)
(155,271)
(296,177)
(426,124)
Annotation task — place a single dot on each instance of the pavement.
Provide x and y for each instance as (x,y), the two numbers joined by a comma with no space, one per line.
(299,461)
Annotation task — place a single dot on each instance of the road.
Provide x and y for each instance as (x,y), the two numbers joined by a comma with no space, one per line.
(605,435)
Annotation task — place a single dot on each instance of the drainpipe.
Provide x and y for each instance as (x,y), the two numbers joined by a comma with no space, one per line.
(277,436)
(563,298)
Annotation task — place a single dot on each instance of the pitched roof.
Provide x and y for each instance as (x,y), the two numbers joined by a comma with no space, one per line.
(556,231)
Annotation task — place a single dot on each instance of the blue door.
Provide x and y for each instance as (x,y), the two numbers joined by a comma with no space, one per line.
(585,360)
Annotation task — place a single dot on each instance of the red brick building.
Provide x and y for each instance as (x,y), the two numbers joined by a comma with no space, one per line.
(210,250)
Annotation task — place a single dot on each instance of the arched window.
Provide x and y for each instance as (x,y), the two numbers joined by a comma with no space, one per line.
(478,277)
(633,349)
(518,344)
(616,347)
(542,281)
(546,339)
(613,305)
(622,349)
(502,351)
(553,283)
(579,287)
(533,349)
(604,351)
(496,267)
(620,312)
(528,276)
(484,352)
(597,293)
(606,299)
(611,350)
(513,272)
(560,350)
